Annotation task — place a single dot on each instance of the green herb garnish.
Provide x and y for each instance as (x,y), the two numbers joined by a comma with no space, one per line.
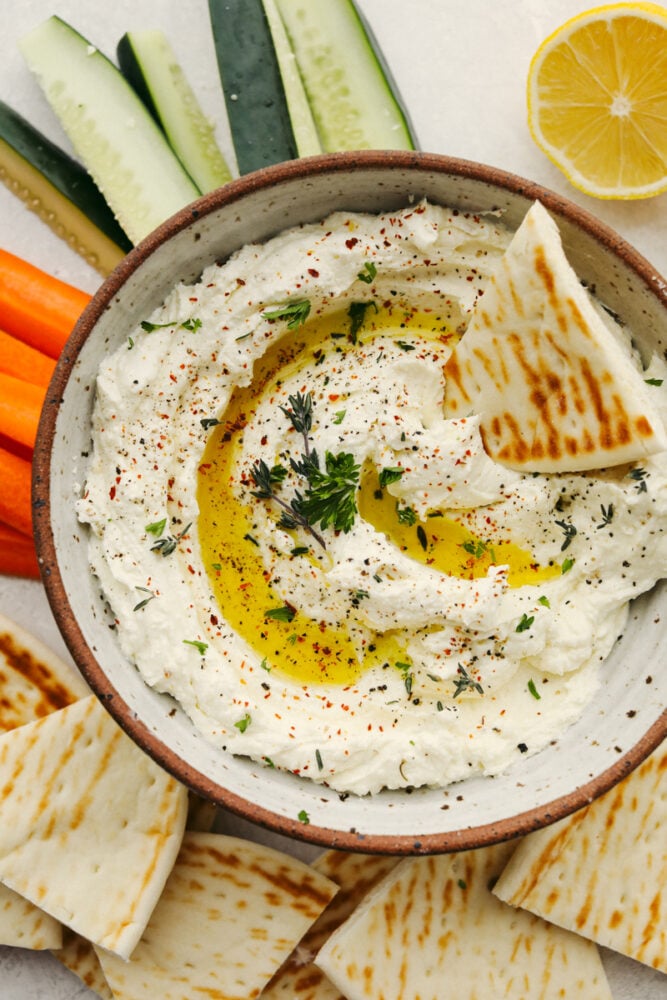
(405,346)
(525,623)
(390,474)
(368,273)
(186,324)
(653,381)
(357,316)
(607,515)
(639,476)
(464,682)
(421,535)
(303,817)
(533,690)
(566,565)
(544,601)
(165,546)
(406,515)
(157,527)
(408,676)
(191,324)
(284,614)
(339,416)
(569,531)
(243,723)
(329,498)
(145,601)
(201,646)
(296,313)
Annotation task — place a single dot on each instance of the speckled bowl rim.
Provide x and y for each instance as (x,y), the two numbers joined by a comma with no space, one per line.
(466,838)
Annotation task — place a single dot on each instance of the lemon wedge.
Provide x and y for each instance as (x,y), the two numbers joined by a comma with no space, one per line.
(597,100)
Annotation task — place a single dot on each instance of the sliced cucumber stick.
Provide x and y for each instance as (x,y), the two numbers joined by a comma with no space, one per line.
(254,93)
(60,191)
(303,125)
(117,139)
(354,100)
(149,63)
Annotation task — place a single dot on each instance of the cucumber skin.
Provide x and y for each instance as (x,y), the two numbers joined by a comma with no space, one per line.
(208,170)
(62,171)
(119,142)
(388,75)
(327,36)
(129,67)
(252,85)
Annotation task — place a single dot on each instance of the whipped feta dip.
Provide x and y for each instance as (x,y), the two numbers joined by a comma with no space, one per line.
(412,613)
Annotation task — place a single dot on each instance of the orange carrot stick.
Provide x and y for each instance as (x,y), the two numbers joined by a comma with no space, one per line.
(22,361)
(35,307)
(17,553)
(15,501)
(20,407)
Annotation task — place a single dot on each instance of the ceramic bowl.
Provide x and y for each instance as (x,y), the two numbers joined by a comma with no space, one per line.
(627,719)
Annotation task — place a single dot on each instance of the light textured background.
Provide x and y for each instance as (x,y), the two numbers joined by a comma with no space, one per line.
(461,67)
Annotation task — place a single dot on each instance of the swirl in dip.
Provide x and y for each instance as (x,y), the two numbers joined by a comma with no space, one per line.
(328,575)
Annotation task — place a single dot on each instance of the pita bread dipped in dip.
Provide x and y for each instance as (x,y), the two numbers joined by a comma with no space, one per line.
(304,529)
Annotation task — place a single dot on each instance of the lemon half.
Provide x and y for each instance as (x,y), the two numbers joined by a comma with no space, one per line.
(597,100)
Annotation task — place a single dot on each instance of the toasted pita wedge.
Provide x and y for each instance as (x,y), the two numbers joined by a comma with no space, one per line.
(33,683)
(433,929)
(91,826)
(355,874)
(26,926)
(230,913)
(603,871)
(79,956)
(33,680)
(546,369)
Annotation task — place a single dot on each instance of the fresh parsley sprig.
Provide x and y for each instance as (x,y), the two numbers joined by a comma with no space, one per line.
(295,312)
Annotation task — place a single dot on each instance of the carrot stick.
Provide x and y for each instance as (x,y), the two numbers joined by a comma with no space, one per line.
(15,500)
(22,361)
(35,307)
(20,407)
(17,553)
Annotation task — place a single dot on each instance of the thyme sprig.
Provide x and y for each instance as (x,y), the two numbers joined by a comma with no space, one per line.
(464,682)
(329,498)
(639,475)
(165,546)
(569,531)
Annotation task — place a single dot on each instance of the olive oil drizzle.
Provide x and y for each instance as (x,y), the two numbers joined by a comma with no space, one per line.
(309,651)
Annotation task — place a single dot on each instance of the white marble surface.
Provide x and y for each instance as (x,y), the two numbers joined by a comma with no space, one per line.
(461,67)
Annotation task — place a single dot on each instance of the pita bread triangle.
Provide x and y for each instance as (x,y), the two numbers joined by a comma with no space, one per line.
(33,683)
(231,912)
(79,956)
(603,871)
(433,929)
(546,369)
(355,874)
(94,847)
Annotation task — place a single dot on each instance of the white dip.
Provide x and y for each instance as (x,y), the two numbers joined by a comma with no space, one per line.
(461,620)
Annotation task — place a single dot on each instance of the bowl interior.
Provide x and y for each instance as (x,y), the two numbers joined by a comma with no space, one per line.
(627,718)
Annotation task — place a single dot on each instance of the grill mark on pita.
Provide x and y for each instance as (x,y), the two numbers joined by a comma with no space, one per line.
(52,693)
(452,371)
(308,896)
